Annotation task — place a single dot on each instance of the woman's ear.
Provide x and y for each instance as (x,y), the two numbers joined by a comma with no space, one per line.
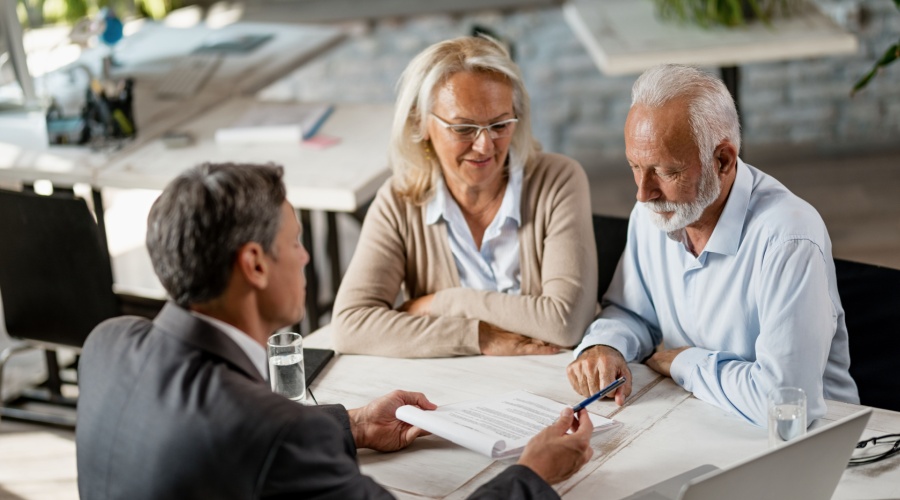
(252,265)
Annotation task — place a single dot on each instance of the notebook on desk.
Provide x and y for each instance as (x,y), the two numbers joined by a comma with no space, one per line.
(275,123)
(314,360)
(809,467)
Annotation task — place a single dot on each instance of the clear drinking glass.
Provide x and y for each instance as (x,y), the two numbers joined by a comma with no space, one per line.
(286,372)
(787,415)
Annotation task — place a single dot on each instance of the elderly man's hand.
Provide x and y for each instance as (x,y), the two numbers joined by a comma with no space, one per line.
(597,367)
(495,341)
(661,361)
(376,426)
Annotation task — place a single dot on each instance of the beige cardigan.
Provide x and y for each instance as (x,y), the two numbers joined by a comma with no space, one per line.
(558,262)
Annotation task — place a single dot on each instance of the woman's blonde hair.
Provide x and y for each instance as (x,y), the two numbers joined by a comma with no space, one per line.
(415,171)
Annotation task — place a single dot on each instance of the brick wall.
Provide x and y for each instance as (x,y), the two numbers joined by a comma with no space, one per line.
(580,112)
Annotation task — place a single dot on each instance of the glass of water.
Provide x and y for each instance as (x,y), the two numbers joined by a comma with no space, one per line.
(286,371)
(787,415)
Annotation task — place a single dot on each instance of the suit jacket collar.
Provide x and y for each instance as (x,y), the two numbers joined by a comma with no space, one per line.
(181,324)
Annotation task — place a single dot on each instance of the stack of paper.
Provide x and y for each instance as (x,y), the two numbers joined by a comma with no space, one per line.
(498,427)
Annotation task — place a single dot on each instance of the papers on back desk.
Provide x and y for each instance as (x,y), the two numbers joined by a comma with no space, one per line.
(498,427)
(275,122)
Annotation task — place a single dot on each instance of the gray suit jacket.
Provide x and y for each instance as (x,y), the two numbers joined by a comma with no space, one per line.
(175,409)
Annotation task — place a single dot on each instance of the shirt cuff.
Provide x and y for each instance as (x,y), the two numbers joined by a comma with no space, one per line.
(592,339)
(683,366)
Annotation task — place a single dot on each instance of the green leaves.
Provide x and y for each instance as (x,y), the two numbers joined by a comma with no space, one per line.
(707,13)
(890,55)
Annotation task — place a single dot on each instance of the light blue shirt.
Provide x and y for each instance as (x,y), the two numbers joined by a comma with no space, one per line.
(496,266)
(759,307)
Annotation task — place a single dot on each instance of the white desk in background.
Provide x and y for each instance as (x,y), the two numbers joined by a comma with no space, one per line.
(665,430)
(340,178)
(66,166)
(626,36)
(147,55)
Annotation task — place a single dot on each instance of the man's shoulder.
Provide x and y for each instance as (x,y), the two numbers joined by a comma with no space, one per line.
(115,332)
(114,326)
(778,214)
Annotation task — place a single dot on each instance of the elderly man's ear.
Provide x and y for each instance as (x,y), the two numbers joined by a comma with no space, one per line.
(726,157)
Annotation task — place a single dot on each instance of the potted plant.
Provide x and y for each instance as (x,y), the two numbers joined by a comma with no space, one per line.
(708,13)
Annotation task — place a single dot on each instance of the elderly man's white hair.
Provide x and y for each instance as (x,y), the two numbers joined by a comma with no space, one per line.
(711,110)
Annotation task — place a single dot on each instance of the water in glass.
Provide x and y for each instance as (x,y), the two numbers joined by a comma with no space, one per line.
(786,422)
(287,375)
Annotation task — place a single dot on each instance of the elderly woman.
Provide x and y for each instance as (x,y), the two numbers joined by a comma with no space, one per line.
(490,238)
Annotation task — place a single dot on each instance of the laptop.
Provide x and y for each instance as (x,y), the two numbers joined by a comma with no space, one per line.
(808,467)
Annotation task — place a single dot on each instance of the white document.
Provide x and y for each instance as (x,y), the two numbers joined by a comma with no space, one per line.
(275,122)
(498,427)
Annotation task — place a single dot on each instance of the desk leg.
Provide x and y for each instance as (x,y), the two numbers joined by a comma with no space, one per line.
(312,279)
(97,198)
(731,76)
(334,254)
(314,310)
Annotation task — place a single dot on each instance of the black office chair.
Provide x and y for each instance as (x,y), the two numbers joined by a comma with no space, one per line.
(871,298)
(610,236)
(56,285)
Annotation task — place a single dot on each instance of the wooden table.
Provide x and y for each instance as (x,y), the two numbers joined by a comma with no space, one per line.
(665,430)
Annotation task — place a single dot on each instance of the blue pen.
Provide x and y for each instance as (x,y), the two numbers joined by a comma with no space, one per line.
(603,392)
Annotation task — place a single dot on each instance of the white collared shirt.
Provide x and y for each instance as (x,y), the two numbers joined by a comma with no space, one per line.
(496,266)
(251,348)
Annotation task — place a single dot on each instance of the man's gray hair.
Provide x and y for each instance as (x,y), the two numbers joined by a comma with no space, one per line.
(711,111)
(203,218)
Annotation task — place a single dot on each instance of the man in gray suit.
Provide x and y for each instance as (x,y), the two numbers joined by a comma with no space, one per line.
(180,407)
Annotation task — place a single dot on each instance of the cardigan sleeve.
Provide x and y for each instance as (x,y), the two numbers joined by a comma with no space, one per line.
(567,266)
(365,321)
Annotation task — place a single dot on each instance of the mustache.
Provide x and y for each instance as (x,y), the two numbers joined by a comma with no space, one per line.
(661,206)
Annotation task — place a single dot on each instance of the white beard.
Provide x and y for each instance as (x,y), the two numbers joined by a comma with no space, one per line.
(685,214)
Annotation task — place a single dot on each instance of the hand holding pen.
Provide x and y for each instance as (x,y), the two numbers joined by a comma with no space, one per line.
(595,365)
(599,394)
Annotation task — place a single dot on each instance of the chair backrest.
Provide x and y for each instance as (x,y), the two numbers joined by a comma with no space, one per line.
(55,276)
(871,298)
(610,235)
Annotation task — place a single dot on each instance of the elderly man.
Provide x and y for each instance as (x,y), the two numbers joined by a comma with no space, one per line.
(726,268)
(180,407)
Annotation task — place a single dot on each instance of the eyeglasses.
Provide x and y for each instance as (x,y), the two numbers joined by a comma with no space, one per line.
(467,132)
(875,449)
